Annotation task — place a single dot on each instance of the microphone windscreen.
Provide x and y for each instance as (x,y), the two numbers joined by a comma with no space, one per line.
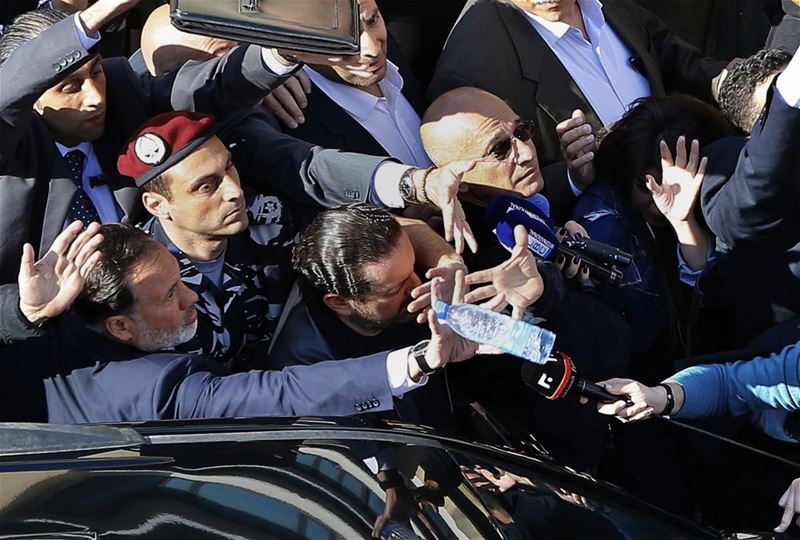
(553,379)
(504,213)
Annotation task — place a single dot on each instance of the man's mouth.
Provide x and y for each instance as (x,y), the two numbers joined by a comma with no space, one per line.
(97,118)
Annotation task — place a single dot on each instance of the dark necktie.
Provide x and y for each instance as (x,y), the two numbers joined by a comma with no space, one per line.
(81,207)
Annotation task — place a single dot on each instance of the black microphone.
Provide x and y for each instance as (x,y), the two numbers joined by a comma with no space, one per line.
(557,378)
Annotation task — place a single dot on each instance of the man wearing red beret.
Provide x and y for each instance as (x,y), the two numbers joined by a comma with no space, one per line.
(233,246)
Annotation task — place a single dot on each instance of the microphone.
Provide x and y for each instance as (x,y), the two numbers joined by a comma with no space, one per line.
(557,378)
(505,212)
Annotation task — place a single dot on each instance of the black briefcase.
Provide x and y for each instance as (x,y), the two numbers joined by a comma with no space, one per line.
(328,27)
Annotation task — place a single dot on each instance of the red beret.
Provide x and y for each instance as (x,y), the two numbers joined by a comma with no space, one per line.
(163,141)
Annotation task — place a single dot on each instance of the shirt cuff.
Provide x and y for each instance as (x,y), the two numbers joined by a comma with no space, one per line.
(788,82)
(386,184)
(86,40)
(575,189)
(686,274)
(397,370)
(273,64)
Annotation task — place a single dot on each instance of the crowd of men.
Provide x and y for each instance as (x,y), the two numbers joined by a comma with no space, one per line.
(214,229)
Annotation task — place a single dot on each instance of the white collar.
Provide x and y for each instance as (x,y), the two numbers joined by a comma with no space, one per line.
(591,10)
(355,101)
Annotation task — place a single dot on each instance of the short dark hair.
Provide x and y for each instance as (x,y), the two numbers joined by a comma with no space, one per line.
(26,27)
(631,148)
(159,185)
(106,291)
(739,86)
(338,244)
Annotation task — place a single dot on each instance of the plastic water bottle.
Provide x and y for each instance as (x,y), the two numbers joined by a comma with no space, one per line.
(395,530)
(501,331)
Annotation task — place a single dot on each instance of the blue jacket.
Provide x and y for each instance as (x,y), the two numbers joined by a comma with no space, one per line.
(79,376)
(771,382)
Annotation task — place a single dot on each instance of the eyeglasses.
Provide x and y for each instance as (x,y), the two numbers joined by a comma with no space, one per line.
(523,133)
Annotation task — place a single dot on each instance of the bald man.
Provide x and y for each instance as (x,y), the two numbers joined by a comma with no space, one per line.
(470,123)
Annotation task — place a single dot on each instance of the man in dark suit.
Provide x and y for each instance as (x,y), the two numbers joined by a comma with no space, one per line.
(108,363)
(369,104)
(65,115)
(751,202)
(541,58)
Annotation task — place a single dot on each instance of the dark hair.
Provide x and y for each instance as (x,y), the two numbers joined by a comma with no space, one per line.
(26,27)
(631,147)
(106,291)
(738,88)
(158,185)
(338,244)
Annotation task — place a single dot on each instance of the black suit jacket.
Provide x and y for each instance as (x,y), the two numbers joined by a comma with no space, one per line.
(328,125)
(35,184)
(493,46)
(751,201)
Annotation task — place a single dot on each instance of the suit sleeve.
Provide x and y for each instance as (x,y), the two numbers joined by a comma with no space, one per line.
(31,69)
(13,324)
(749,206)
(273,162)
(683,67)
(332,388)
(771,382)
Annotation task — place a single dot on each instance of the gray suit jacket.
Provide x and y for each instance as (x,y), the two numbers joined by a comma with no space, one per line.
(493,46)
(80,376)
(35,184)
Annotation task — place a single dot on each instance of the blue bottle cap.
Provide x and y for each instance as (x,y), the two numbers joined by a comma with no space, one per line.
(441,309)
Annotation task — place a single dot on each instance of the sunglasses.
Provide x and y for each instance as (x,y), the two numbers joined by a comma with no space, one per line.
(523,133)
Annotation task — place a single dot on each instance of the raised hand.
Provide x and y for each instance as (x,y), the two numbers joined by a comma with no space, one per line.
(681,179)
(49,286)
(422,293)
(515,281)
(578,145)
(287,100)
(441,187)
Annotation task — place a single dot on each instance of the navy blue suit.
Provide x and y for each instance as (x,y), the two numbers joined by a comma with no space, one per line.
(79,376)
(751,201)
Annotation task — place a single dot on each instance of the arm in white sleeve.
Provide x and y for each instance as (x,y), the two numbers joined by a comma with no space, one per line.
(397,371)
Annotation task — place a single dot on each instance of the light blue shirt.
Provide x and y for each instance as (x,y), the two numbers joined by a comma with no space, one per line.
(601,67)
(100,194)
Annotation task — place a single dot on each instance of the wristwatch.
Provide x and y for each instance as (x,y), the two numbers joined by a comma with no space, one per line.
(407,190)
(418,352)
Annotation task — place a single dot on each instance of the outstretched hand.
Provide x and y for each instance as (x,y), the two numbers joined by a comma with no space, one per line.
(516,281)
(49,286)
(681,180)
(442,186)
(578,145)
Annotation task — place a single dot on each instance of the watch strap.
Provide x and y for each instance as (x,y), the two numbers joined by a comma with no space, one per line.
(418,351)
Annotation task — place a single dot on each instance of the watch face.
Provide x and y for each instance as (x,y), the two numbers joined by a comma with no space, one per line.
(406,191)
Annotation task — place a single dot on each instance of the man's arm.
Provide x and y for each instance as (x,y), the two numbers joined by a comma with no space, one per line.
(750,206)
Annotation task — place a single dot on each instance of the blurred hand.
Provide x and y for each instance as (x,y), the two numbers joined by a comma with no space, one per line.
(573,267)
(287,100)
(790,502)
(49,286)
(516,281)
(646,401)
(422,294)
(442,187)
(578,145)
(681,179)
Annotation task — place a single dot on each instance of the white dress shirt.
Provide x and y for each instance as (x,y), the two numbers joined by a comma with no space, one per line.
(391,120)
(601,67)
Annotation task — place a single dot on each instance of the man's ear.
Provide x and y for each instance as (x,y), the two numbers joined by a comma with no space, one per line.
(120,327)
(338,304)
(156,204)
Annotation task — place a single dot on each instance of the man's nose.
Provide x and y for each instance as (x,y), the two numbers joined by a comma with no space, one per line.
(526,151)
(93,94)
(231,189)
(188,297)
(370,45)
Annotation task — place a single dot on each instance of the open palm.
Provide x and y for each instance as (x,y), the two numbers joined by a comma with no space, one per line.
(681,179)
(515,281)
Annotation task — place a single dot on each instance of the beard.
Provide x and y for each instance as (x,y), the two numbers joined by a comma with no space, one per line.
(369,321)
(159,339)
